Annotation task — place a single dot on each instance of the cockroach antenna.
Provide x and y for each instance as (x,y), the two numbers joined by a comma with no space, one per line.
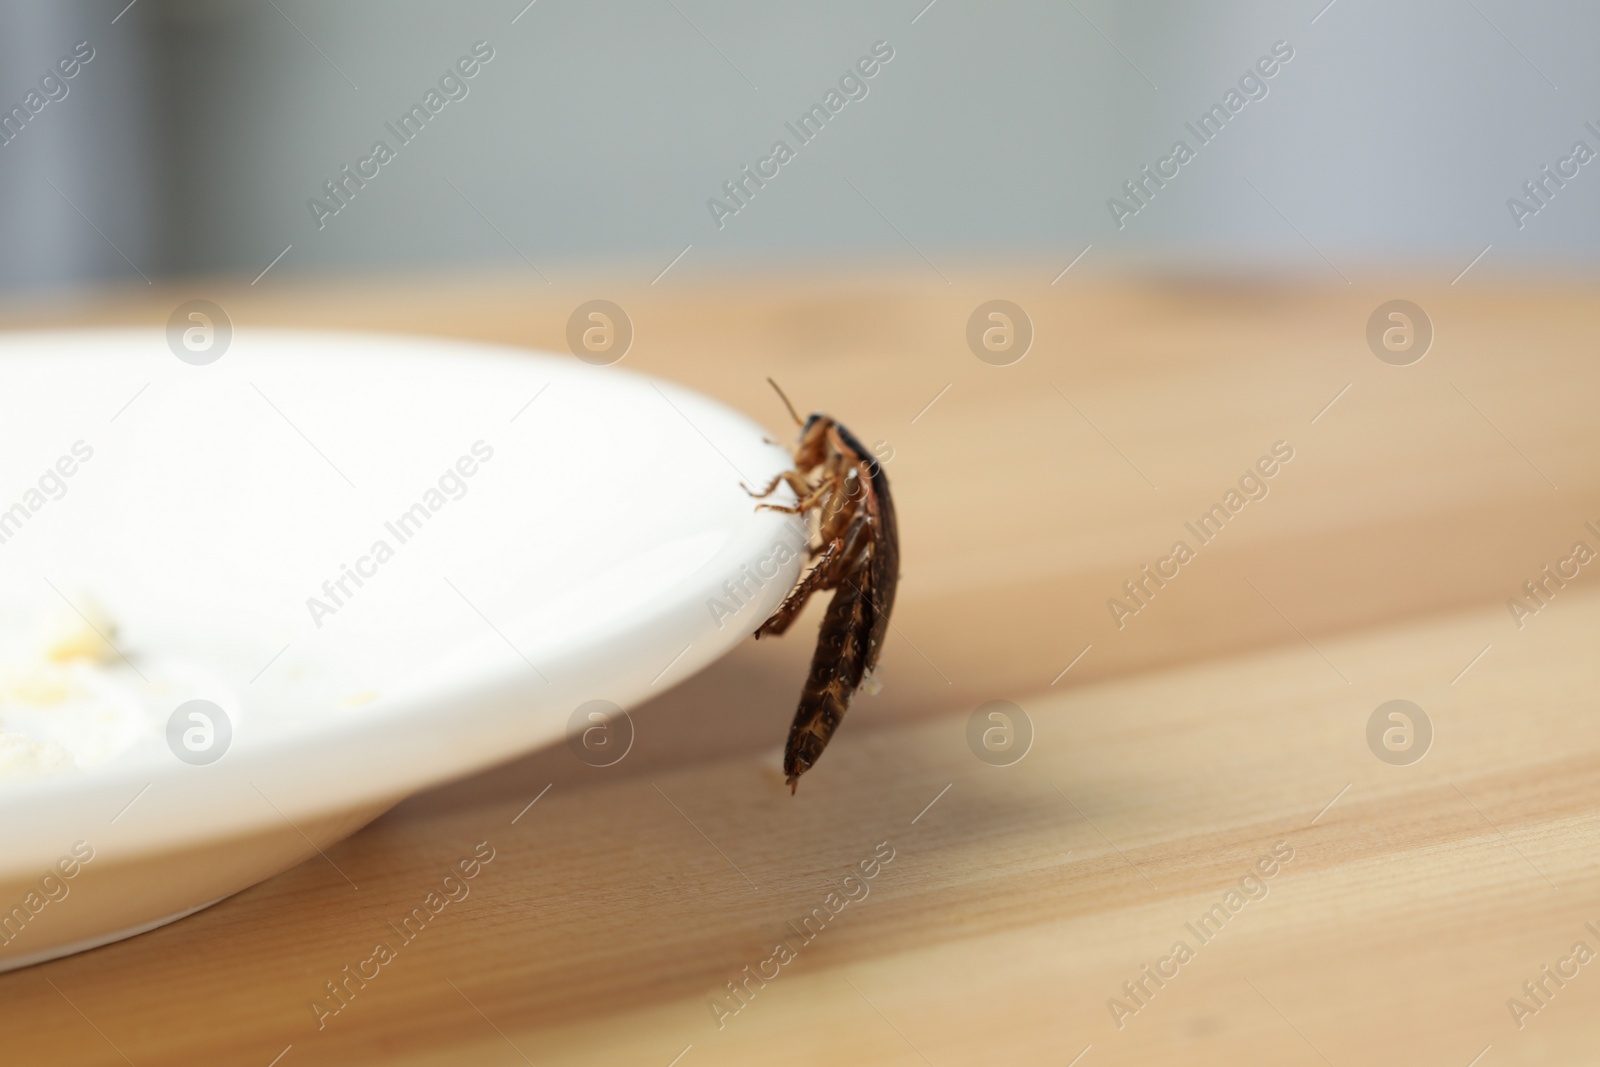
(792,413)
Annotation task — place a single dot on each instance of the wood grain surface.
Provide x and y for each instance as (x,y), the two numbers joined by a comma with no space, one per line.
(1218,734)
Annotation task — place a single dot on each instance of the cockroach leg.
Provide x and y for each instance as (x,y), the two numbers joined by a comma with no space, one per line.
(791,478)
(822,575)
(772,487)
(800,507)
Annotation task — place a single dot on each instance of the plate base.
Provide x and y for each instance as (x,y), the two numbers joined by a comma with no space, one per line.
(57,951)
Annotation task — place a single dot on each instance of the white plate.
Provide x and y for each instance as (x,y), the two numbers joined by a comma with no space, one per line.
(595,555)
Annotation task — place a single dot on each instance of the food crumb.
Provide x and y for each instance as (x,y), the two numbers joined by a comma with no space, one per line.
(82,637)
(22,757)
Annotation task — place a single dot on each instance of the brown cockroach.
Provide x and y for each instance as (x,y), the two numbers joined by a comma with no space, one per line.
(855,551)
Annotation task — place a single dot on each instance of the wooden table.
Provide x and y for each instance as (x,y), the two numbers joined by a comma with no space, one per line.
(1171,756)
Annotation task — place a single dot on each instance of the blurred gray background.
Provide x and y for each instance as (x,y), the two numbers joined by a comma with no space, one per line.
(193,141)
